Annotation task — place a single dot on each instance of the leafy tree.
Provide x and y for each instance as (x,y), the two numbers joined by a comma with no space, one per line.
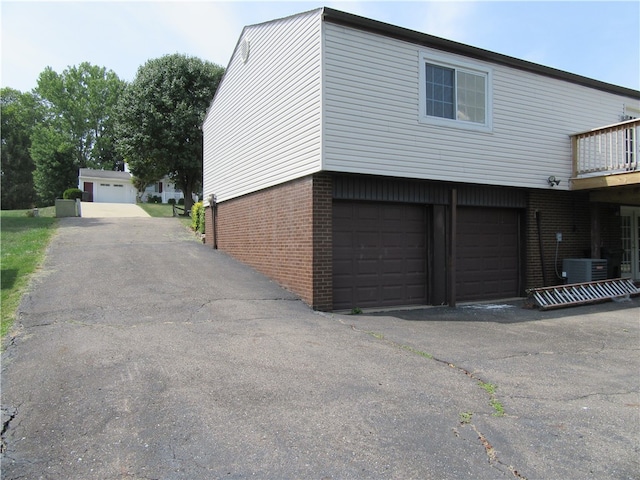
(160,116)
(80,103)
(142,182)
(56,169)
(19,114)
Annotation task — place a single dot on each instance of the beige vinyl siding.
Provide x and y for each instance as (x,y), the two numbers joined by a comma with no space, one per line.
(263,127)
(371,118)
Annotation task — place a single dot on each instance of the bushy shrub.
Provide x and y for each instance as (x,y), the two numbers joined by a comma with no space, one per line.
(72,194)
(171,201)
(181,201)
(197,217)
(154,199)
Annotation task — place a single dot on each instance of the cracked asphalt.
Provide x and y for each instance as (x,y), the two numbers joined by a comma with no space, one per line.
(140,353)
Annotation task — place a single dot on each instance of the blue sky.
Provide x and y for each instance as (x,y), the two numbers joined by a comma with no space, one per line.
(599,40)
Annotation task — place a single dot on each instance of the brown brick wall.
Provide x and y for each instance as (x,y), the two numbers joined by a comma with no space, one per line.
(272,231)
(570,214)
(322,242)
(208,226)
(285,232)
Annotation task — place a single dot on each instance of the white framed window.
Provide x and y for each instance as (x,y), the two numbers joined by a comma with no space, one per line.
(454,94)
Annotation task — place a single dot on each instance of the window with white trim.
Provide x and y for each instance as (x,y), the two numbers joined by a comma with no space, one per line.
(454,93)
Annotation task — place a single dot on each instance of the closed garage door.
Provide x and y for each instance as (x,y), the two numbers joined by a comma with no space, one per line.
(487,254)
(111,193)
(379,255)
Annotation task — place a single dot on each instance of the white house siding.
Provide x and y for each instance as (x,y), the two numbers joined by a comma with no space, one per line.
(371,118)
(263,127)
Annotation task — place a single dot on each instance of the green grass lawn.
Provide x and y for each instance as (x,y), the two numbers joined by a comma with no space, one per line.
(157,209)
(163,210)
(24,241)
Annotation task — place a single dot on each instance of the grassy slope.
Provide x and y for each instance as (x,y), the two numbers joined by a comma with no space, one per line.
(24,241)
(162,210)
(157,209)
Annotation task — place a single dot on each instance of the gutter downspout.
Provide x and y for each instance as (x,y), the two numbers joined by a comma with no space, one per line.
(213,204)
(538,222)
(452,249)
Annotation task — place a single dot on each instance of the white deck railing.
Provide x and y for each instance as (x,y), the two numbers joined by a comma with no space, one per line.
(607,150)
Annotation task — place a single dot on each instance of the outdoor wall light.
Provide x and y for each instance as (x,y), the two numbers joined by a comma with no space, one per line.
(553,181)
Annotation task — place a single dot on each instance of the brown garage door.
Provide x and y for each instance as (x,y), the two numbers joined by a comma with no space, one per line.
(379,255)
(487,254)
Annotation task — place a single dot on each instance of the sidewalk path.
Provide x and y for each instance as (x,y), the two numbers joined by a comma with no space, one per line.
(140,353)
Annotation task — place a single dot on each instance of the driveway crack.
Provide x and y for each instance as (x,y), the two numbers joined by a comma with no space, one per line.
(492,456)
(8,414)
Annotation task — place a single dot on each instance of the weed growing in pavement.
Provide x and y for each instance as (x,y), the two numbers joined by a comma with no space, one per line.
(498,407)
(417,352)
(465,417)
(490,388)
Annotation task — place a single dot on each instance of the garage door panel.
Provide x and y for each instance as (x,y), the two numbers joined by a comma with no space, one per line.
(387,249)
(391,293)
(389,267)
(367,295)
(343,238)
(366,240)
(342,295)
(487,259)
(342,268)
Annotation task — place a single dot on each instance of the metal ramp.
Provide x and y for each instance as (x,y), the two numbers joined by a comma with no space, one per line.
(561,296)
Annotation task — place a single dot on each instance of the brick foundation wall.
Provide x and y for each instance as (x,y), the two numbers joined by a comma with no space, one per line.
(208,226)
(322,242)
(285,232)
(570,214)
(272,231)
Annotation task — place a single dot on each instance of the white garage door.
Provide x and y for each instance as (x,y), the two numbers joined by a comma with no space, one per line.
(111,193)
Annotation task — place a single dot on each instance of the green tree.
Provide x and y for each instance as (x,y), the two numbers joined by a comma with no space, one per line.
(141,183)
(19,115)
(56,168)
(80,103)
(159,119)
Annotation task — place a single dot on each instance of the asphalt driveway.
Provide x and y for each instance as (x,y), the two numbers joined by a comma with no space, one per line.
(142,354)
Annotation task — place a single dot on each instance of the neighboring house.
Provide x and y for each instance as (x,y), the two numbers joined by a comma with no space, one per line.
(360,164)
(165,189)
(104,186)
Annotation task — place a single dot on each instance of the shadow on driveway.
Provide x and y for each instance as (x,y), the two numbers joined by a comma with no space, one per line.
(513,311)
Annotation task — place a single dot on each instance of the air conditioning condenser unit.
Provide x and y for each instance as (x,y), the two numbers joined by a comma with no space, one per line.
(580,270)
